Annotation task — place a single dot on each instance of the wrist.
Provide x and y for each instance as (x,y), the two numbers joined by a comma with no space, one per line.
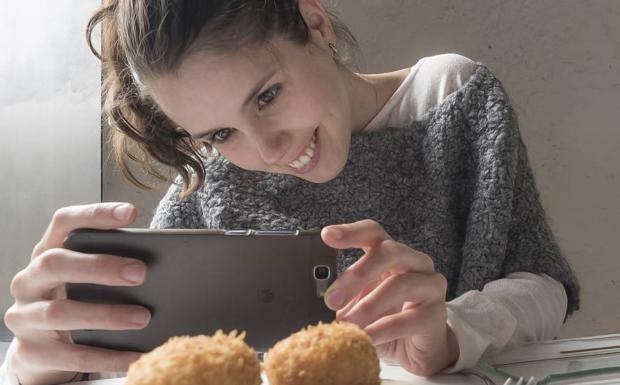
(445,356)
(452,345)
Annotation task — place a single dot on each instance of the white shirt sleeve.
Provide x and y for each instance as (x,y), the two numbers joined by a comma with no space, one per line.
(522,307)
(7,374)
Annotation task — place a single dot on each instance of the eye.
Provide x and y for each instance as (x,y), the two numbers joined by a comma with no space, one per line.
(220,136)
(268,96)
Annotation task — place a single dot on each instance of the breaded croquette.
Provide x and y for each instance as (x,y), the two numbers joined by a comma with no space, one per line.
(327,354)
(220,359)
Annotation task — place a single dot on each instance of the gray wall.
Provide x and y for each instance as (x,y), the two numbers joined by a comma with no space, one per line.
(49,123)
(560,61)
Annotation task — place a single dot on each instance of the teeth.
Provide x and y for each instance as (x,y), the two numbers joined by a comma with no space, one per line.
(305,158)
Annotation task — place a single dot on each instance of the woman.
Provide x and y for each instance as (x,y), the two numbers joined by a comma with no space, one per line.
(252,103)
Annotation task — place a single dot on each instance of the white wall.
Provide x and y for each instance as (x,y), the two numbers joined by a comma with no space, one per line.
(560,62)
(49,123)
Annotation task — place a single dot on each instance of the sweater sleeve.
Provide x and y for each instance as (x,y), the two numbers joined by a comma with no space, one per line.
(522,307)
(506,228)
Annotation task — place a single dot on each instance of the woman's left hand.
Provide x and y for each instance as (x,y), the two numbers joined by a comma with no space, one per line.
(394,293)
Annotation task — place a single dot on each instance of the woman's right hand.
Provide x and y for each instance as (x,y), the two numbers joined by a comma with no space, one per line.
(42,317)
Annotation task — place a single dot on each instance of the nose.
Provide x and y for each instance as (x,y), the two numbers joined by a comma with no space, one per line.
(270,143)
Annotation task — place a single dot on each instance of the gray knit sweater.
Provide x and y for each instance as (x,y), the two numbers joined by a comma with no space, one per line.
(456,185)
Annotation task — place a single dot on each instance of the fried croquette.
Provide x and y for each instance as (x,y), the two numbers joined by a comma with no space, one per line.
(220,359)
(337,353)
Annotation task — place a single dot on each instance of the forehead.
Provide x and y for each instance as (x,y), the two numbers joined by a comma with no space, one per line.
(216,83)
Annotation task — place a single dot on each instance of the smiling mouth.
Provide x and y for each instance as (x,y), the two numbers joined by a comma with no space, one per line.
(307,154)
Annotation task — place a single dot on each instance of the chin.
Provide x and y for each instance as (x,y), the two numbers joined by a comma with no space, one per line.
(324,175)
(316,179)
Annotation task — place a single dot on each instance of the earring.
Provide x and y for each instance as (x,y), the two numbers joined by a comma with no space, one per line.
(332,46)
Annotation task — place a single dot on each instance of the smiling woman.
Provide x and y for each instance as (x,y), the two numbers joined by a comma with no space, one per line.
(261,65)
(419,176)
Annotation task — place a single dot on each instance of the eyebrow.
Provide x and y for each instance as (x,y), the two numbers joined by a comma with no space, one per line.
(248,99)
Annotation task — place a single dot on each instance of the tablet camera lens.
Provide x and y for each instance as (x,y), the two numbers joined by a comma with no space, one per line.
(321,272)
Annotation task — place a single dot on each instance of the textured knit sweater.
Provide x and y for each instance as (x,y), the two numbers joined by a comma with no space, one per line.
(456,185)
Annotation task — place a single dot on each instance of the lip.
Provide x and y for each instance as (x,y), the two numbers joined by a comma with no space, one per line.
(315,158)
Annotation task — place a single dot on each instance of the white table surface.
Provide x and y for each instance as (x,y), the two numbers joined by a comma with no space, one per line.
(391,375)
(537,357)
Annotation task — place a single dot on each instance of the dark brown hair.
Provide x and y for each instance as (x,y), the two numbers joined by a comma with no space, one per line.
(143,38)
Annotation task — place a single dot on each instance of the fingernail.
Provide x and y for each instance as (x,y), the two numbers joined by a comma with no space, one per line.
(335,298)
(336,233)
(140,317)
(121,212)
(133,272)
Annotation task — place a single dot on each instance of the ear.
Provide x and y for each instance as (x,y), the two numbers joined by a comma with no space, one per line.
(317,20)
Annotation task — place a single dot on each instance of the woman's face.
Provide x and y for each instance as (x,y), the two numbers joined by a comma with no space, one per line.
(286,113)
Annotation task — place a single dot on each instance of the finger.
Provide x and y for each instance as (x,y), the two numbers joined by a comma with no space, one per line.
(426,323)
(361,235)
(60,356)
(388,256)
(415,289)
(106,215)
(63,314)
(370,287)
(55,267)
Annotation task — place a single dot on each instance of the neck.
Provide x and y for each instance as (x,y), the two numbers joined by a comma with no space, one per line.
(368,94)
(364,97)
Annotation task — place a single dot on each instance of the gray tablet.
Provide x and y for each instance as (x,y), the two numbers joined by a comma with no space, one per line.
(267,283)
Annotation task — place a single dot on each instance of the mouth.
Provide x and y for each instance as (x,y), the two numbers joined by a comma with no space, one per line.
(308,157)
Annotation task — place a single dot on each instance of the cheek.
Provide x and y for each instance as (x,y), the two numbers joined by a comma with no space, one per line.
(305,108)
(243,154)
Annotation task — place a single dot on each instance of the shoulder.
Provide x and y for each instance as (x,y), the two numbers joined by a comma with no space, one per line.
(451,69)
(175,212)
(438,76)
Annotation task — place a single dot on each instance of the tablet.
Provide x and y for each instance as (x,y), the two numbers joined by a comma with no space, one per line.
(266,283)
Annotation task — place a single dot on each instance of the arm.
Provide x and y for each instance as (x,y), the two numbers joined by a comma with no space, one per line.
(525,307)
(8,375)
(506,227)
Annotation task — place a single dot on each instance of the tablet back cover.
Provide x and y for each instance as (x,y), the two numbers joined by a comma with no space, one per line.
(201,281)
